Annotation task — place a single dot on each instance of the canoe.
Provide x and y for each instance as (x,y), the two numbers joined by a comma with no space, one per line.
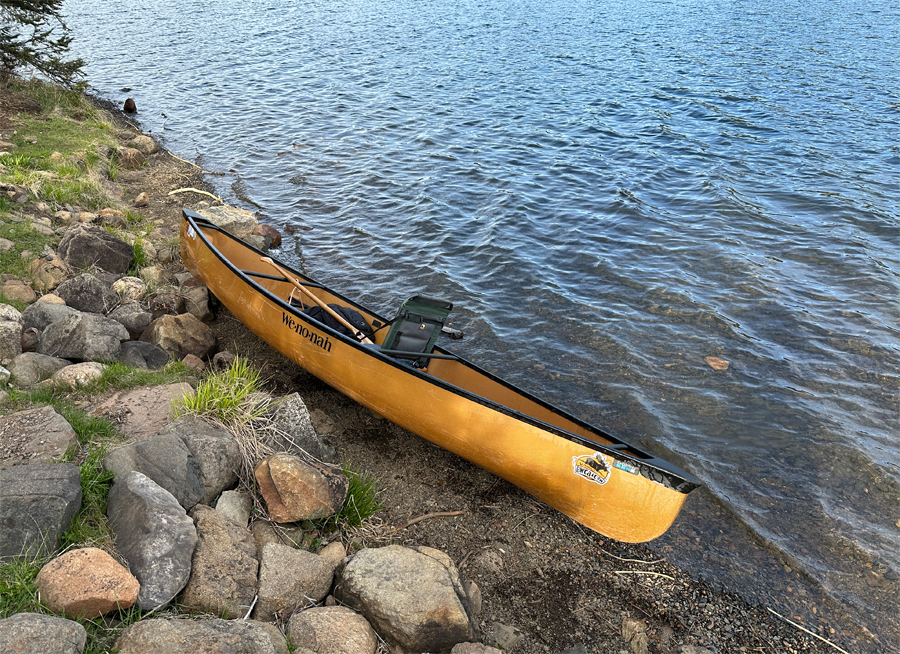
(600,481)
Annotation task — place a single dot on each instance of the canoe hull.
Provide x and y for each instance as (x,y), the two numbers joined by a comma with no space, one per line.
(583,480)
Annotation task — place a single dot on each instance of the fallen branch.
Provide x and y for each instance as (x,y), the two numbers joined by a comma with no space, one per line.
(441,514)
(195,190)
(802,628)
(632,560)
(190,163)
(642,572)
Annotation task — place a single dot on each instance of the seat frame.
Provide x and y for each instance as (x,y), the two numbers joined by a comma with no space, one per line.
(416,328)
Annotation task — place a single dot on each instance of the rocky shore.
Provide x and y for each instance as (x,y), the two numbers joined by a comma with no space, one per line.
(456,560)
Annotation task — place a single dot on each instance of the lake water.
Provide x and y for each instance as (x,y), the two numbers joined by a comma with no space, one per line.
(610,193)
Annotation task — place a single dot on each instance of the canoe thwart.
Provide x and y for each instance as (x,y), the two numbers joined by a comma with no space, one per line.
(278,278)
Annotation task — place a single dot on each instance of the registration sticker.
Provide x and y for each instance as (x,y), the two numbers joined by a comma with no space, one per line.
(191,232)
(593,467)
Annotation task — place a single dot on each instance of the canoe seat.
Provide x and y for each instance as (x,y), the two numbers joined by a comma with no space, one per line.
(416,328)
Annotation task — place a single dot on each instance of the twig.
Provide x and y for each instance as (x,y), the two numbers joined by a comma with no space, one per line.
(195,190)
(642,572)
(465,559)
(252,604)
(632,560)
(440,514)
(801,628)
(190,163)
(468,554)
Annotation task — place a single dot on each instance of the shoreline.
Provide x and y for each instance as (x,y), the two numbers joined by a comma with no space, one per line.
(587,585)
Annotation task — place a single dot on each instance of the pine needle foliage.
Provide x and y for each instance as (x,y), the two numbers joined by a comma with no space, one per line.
(34,36)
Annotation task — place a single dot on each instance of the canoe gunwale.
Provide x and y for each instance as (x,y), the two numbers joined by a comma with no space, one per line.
(652,467)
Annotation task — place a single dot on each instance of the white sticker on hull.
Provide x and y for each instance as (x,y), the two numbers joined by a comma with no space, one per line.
(593,467)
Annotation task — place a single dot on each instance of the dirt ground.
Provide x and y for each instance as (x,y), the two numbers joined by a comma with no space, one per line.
(556,582)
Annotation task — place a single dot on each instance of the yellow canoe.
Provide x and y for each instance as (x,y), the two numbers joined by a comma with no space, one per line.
(594,478)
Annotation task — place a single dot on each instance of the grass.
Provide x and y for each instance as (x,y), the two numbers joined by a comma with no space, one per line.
(120,376)
(232,396)
(69,124)
(18,592)
(24,239)
(140,258)
(360,504)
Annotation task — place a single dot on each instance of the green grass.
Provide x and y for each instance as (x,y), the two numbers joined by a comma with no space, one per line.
(18,592)
(69,124)
(232,396)
(55,99)
(361,502)
(90,528)
(140,259)
(85,193)
(23,238)
(120,376)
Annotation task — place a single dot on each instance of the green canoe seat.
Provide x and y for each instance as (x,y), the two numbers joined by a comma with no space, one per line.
(416,328)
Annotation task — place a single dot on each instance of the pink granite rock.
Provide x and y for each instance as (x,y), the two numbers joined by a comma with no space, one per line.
(86,583)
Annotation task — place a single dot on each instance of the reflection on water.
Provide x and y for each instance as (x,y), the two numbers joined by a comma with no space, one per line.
(610,194)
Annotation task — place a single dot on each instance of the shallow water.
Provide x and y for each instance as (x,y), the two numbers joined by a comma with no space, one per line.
(610,194)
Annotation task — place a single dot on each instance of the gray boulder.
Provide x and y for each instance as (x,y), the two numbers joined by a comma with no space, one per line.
(42,314)
(37,504)
(83,337)
(224,566)
(236,506)
(83,246)
(164,459)
(35,633)
(481,648)
(155,536)
(332,630)
(144,144)
(79,374)
(139,354)
(196,302)
(201,637)
(10,339)
(156,276)
(38,435)
(214,449)
(412,596)
(181,335)
(30,368)
(133,317)
(130,289)
(8,312)
(292,431)
(289,578)
(87,293)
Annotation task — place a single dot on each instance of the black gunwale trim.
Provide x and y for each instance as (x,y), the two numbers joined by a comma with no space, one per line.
(652,467)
